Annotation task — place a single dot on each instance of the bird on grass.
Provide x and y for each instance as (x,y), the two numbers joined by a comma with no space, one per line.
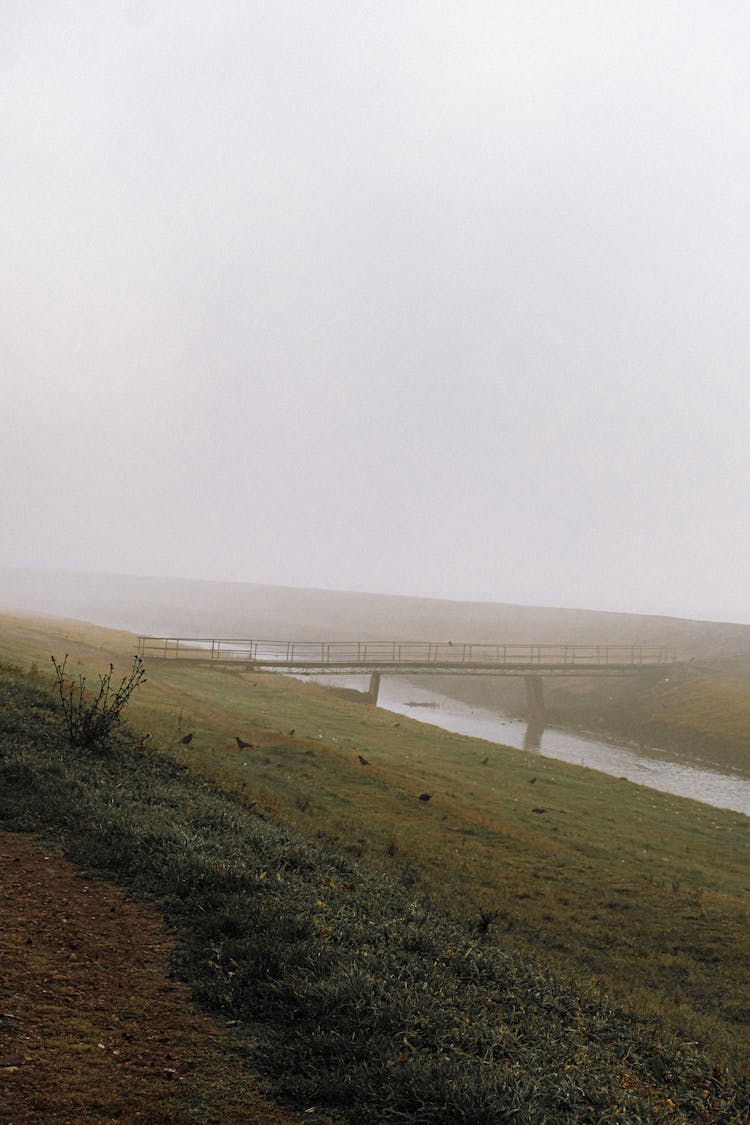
(425,797)
(186,739)
(242,745)
(145,739)
(362,761)
(291,732)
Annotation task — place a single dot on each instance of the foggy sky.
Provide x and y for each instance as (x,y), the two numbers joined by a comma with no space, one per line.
(436,298)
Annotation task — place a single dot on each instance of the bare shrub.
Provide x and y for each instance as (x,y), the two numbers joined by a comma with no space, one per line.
(90,719)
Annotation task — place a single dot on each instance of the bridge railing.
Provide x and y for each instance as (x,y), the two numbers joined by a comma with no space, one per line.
(385,654)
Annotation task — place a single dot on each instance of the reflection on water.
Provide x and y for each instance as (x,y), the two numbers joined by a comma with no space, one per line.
(532,737)
(644,765)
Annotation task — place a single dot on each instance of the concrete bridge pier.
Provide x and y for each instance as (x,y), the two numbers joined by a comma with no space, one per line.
(374,689)
(534,700)
(532,739)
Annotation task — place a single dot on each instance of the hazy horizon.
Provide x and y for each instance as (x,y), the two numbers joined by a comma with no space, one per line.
(78,584)
(435,301)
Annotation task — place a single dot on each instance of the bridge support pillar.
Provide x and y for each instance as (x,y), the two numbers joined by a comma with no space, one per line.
(534,699)
(374,689)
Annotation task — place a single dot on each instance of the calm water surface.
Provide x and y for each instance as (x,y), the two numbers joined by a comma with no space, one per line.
(645,765)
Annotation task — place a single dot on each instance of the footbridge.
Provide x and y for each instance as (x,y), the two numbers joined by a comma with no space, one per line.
(377,658)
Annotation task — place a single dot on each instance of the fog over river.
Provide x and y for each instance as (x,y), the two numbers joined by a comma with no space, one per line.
(645,765)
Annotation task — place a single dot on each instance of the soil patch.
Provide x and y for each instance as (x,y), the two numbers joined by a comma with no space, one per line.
(91,1026)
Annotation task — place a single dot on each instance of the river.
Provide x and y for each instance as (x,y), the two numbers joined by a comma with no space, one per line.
(645,765)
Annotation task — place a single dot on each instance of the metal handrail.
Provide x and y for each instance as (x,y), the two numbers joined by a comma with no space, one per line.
(384,654)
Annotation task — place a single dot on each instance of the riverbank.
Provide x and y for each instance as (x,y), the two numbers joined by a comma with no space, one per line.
(699,712)
(683,774)
(636,895)
(368,1002)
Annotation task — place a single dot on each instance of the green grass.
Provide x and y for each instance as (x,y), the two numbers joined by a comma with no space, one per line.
(636,897)
(362,999)
(639,895)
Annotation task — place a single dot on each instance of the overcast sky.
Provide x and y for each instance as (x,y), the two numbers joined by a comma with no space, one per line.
(419,297)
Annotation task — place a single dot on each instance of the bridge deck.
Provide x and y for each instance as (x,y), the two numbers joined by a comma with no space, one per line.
(440,657)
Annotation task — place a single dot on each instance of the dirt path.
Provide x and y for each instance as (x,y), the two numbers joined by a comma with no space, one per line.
(91,1028)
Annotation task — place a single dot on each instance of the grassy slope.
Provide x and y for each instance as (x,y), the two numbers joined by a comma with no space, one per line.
(644,893)
(638,894)
(361,1001)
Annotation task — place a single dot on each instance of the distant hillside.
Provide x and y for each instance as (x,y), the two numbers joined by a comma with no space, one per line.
(196,608)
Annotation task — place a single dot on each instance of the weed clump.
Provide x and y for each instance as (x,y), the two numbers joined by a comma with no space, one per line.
(91,719)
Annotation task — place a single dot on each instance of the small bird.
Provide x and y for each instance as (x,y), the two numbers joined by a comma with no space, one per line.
(187,739)
(532,781)
(363,761)
(292,731)
(145,738)
(242,745)
(539,810)
(425,797)
(397,724)
(485,760)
